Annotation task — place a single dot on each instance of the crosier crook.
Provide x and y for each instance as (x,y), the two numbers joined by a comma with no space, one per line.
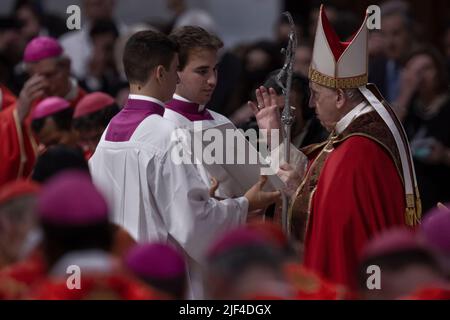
(287,118)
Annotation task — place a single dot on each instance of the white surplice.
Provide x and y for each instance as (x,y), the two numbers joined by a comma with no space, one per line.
(156,199)
(226,188)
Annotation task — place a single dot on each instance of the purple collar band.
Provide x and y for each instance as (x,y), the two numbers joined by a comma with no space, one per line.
(189,110)
(123,125)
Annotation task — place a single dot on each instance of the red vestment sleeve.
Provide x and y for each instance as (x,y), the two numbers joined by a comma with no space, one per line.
(7,98)
(17,147)
(359,193)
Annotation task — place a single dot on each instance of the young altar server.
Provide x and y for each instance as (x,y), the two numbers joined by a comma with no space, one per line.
(152,196)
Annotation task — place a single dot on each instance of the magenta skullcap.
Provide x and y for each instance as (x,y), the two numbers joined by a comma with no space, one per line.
(155,261)
(71,199)
(91,103)
(435,229)
(41,48)
(49,106)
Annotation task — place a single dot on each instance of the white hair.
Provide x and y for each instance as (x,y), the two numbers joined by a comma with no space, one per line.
(353,95)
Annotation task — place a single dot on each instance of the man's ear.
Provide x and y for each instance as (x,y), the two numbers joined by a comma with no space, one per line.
(159,73)
(340,98)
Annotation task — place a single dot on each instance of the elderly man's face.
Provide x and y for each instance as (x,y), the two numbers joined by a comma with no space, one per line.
(56,74)
(324,101)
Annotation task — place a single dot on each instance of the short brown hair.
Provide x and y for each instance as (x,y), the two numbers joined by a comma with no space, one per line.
(144,51)
(191,37)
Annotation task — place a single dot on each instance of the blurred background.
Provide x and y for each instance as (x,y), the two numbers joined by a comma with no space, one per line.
(409,56)
(409,61)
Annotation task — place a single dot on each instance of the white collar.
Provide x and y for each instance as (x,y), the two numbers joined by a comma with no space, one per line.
(146,98)
(90,260)
(73,92)
(178,97)
(357,111)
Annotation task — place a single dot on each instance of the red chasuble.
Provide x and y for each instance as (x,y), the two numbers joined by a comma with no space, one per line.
(309,286)
(353,189)
(359,194)
(18,148)
(429,293)
(7,98)
(17,279)
(114,286)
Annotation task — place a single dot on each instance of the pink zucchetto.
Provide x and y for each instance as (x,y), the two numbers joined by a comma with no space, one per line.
(91,103)
(71,199)
(42,48)
(49,106)
(155,261)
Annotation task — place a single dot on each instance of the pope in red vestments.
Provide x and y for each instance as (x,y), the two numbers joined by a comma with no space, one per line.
(358,182)
(50,76)
(359,193)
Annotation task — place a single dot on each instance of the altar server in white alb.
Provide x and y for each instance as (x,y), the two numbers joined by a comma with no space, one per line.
(198,59)
(149,194)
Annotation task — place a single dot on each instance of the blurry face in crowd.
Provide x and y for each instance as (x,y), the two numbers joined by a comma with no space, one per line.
(103,49)
(177,6)
(324,101)
(397,284)
(10,44)
(396,36)
(425,69)
(50,134)
(170,79)
(89,139)
(99,9)
(14,231)
(56,72)
(295,101)
(257,59)
(256,280)
(30,23)
(303,57)
(199,77)
(376,44)
(283,31)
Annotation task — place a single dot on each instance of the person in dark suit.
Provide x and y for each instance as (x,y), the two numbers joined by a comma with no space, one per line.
(384,70)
